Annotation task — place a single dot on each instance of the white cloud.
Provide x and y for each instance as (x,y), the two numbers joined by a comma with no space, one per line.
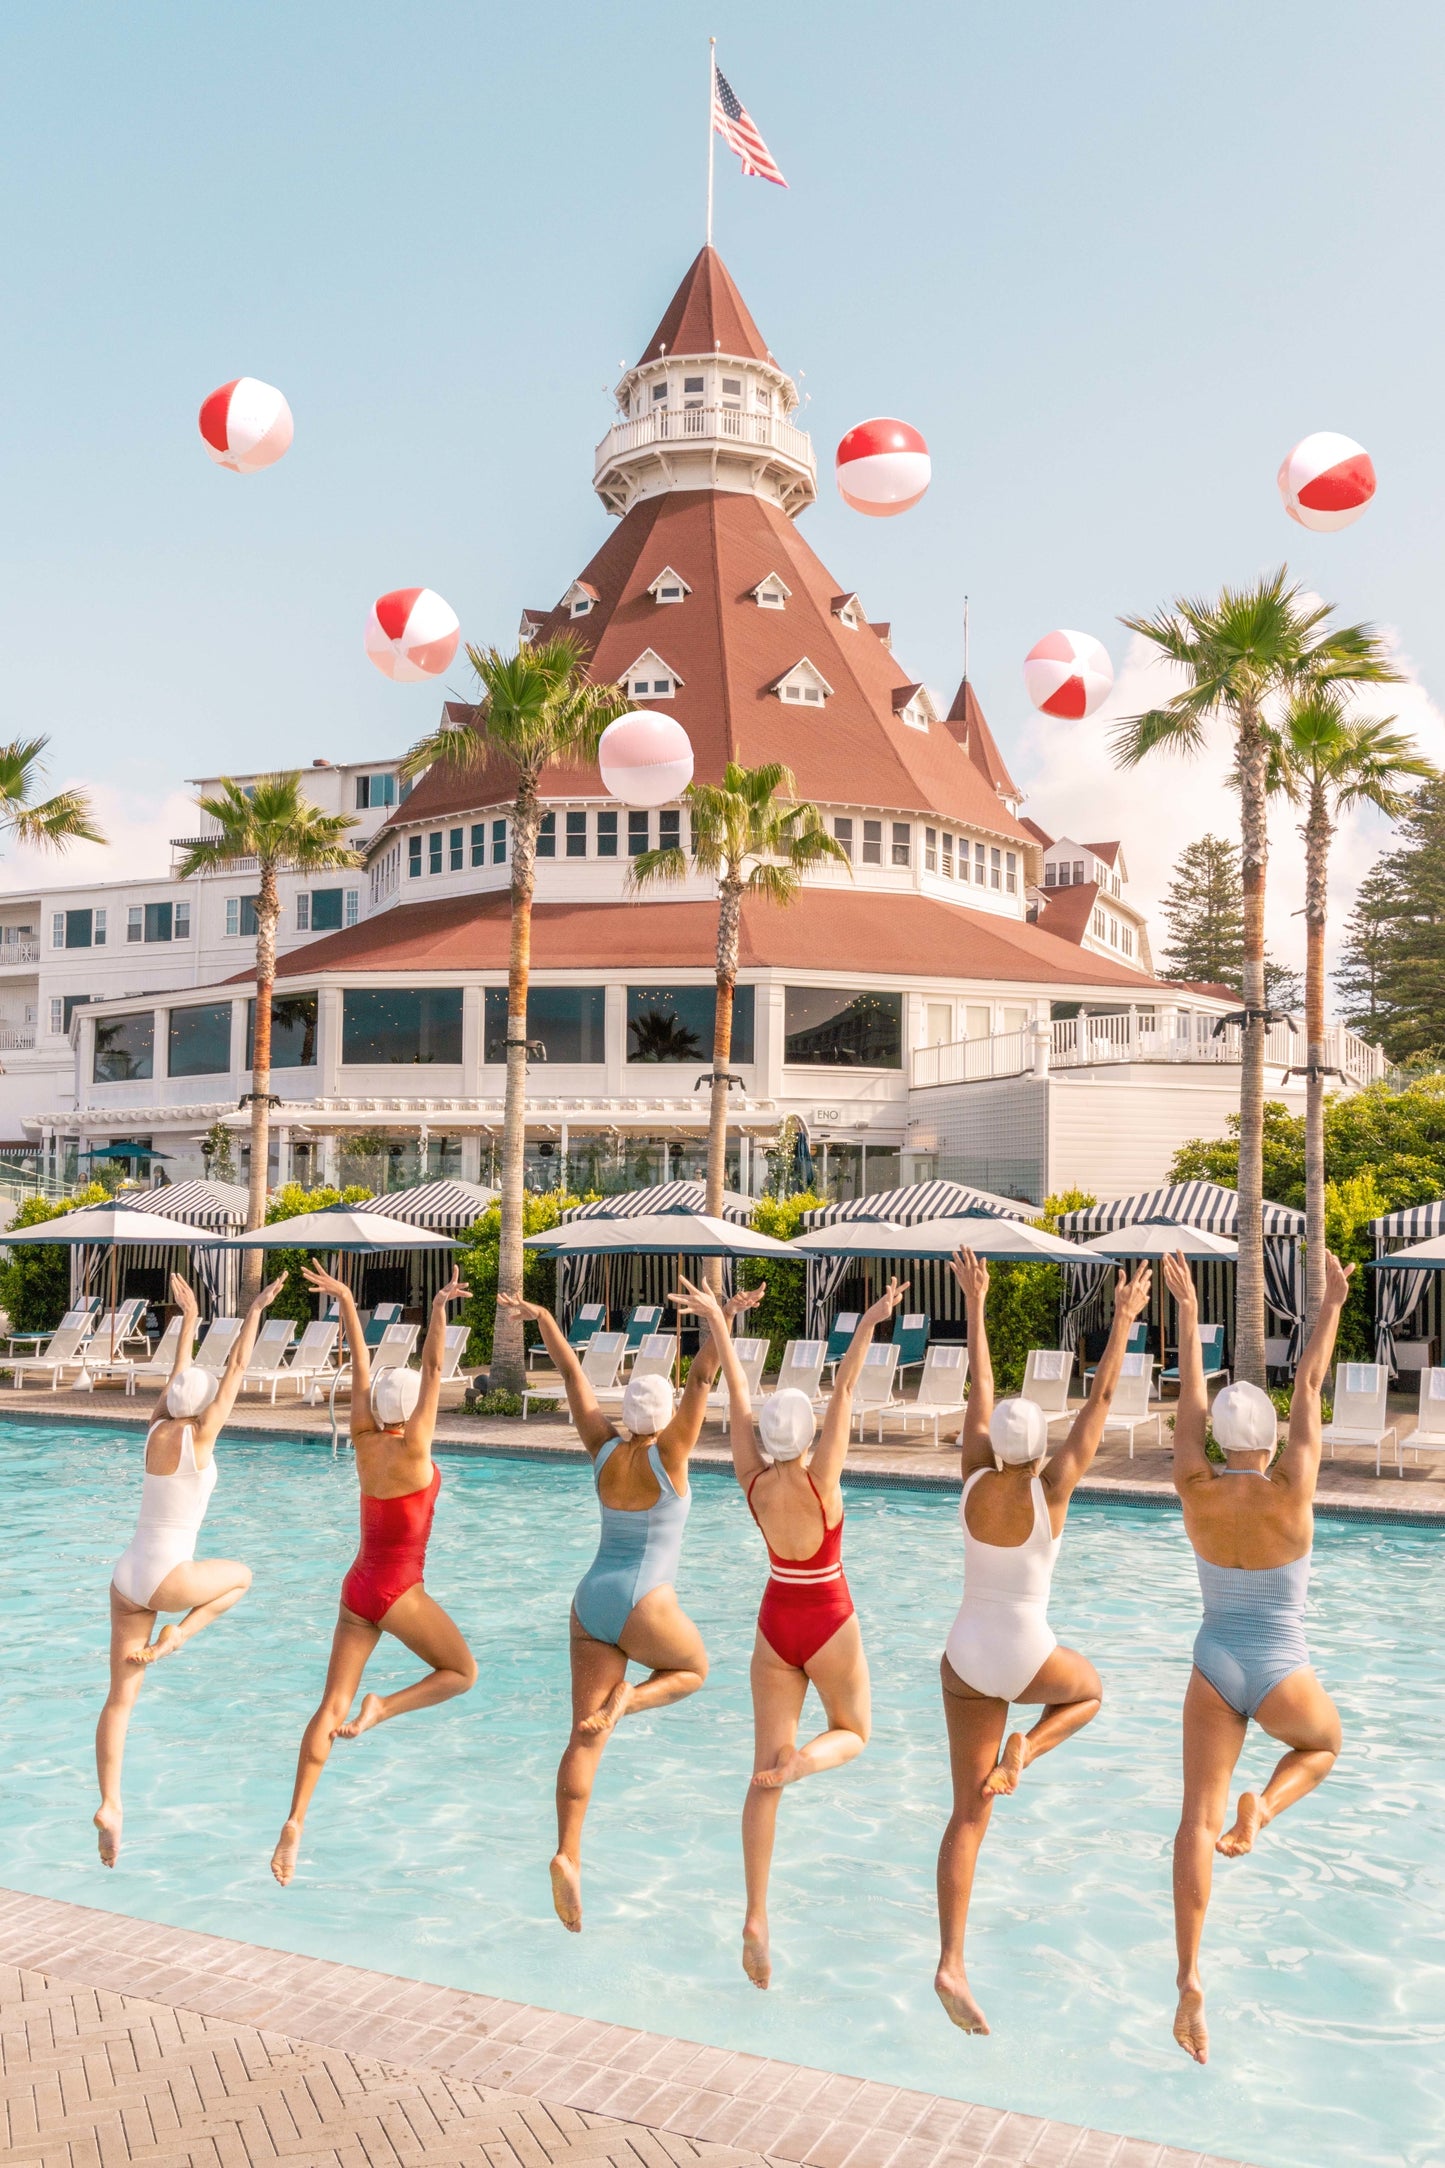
(139,827)
(1074,788)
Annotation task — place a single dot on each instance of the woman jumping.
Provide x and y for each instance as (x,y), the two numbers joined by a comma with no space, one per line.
(392,1422)
(807,1632)
(1252,1545)
(1001,1648)
(625,1609)
(160,1571)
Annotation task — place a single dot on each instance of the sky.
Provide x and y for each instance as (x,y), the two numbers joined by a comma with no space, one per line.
(1112,261)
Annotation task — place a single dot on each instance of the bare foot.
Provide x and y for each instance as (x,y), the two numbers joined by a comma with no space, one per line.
(1005,1778)
(952,1990)
(1190,2029)
(370,1713)
(603,1719)
(567,1893)
(283,1859)
(789,1766)
(1248,1821)
(757,1960)
(166,1642)
(107,1822)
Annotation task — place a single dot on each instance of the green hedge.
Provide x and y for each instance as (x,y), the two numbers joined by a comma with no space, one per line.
(35,1283)
(296,1300)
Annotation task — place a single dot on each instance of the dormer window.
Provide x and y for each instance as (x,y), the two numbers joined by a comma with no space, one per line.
(849,611)
(912,706)
(650,678)
(804,685)
(772,593)
(669,586)
(579,599)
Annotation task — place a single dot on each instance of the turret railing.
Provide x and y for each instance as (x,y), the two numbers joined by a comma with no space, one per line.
(690,425)
(1086,1042)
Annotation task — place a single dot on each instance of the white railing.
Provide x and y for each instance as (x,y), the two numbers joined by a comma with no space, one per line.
(729,425)
(1083,1042)
(16,1038)
(20,952)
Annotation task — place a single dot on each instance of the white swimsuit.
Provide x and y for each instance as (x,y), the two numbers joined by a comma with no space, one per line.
(172,1508)
(1002,1633)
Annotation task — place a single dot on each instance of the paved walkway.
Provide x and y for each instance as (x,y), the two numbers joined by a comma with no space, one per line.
(124,2043)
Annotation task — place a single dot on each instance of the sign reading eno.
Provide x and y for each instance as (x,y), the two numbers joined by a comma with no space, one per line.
(827,1117)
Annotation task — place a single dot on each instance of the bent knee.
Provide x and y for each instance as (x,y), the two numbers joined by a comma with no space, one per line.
(466,1675)
(244,1578)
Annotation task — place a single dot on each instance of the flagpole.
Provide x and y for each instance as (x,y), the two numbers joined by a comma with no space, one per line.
(711,95)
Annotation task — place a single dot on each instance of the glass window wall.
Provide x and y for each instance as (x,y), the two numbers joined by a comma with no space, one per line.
(125,1048)
(293,1032)
(386,1026)
(836,1030)
(199,1040)
(564,1023)
(675,1023)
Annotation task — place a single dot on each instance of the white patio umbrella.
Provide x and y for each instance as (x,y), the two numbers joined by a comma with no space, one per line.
(679,1234)
(1420,1257)
(984,1235)
(338,1227)
(112,1225)
(1160,1238)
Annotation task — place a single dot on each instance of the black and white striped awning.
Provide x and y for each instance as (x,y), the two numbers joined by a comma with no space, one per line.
(443,1207)
(1188,1204)
(663,1197)
(920,1201)
(1413,1223)
(203,1204)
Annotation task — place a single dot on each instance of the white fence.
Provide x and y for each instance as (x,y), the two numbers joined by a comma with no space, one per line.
(733,424)
(1084,1042)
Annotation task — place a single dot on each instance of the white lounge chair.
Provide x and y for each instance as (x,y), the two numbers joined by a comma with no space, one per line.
(940,1389)
(1047,1372)
(653,1359)
(752,1355)
(1428,1436)
(153,1368)
(64,1350)
(217,1341)
(110,1336)
(601,1360)
(23,1344)
(314,1355)
(877,1382)
(1360,1413)
(801,1367)
(1129,1409)
(392,1352)
(268,1364)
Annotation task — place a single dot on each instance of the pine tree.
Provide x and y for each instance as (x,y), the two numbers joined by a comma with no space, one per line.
(1204,910)
(1399,950)
(1359,977)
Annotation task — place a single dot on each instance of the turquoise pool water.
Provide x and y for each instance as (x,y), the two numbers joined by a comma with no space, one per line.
(426,1850)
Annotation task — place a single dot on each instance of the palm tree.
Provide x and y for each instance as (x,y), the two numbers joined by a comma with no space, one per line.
(54,822)
(275,823)
(1327,761)
(1243,657)
(536,707)
(754,838)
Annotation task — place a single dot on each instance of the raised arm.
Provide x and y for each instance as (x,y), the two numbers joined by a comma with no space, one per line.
(718,1350)
(184,1297)
(592,1426)
(422,1420)
(971,1274)
(1300,1461)
(832,1447)
(1191,1417)
(1131,1299)
(322,1282)
(209,1428)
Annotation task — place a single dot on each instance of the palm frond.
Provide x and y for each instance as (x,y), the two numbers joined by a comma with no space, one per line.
(65,818)
(665,865)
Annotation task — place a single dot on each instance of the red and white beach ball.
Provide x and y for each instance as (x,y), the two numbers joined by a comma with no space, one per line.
(1068,674)
(246,425)
(1326,481)
(411,633)
(645,758)
(883,467)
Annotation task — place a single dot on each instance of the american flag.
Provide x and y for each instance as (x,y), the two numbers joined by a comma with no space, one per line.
(733,122)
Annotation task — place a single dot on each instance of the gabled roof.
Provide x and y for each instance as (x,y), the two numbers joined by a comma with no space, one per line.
(966,721)
(706,315)
(1109,852)
(1040,835)
(649,663)
(668,577)
(805,670)
(1066,912)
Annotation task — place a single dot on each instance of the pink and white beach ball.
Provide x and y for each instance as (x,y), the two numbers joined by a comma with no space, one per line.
(1068,674)
(411,633)
(1326,481)
(883,467)
(246,425)
(645,758)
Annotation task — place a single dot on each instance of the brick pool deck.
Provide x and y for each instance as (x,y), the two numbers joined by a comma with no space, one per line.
(126,2045)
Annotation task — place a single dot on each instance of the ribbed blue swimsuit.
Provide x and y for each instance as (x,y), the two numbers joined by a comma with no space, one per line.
(638,1552)
(1253,1633)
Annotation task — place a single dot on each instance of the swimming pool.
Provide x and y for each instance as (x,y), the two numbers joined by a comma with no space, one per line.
(427,1846)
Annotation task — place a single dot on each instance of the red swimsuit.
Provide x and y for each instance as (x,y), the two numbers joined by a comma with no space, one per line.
(806,1599)
(392,1557)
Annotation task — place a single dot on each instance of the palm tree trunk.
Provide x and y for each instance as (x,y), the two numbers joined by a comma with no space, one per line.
(1317,853)
(728,915)
(268,912)
(1249,1278)
(508,1367)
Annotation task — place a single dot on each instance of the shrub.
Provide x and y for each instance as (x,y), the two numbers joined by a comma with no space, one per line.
(497,1403)
(477,1264)
(782,1314)
(296,1300)
(35,1283)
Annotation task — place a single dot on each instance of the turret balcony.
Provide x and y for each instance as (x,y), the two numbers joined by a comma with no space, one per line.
(705,447)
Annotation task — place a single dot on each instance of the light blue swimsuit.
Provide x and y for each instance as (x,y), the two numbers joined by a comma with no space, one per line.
(1253,1633)
(638,1552)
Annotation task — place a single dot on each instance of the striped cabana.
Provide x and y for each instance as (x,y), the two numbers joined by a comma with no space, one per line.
(1402,1294)
(1197,1204)
(216,1273)
(622,1281)
(443,1208)
(931,1284)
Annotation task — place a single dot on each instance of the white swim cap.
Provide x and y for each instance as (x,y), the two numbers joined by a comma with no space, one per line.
(787,1423)
(191,1392)
(1018,1431)
(646,1406)
(394,1393)
(1244,1420)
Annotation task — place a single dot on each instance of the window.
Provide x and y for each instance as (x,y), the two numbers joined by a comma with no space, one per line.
(547,836)
(581,605)
(1049,876)
(373,790)
(157,922)
(937,1023)
(995,869)
(607,835)
(826,1028)
(479,843)
(771,593)
(564,1023)
(930,850)
(124,1048)
(659,393)
(843,833)
(353,905)
(434,851)
(57,1024)
(1126,940)
(499,843)
(732,387)
(669,830)
(79,929)
(199,1040)
(100,929)
(327,906)
(57,929)
(456,856)
(639,830)
(413,857)
(670,593)
(183,922)
(872,843)
(947,856)
(692,387)
(978,1022)
(1078,869)
(1114,931)
(980,864)
(576,835)
(303,913)
(902,843)
(401,1024)
(1011,872)
(135,922)
(293,1032)
(1098,925)
(241,916)
(675,1023)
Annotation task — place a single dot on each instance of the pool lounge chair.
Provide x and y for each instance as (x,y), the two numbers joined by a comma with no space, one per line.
(654,1359)
(64,1350)
(1129,1409)
(112,1332)
(1047,1371)
(1211,1348)
(644,1319)
(1136,1344)
(217,1342)
(382,1318)
(752,1355)
(454,1347)
(910,1337)
(1428,1436)
(840,1332)
(268,1364)
(153,1368)
(30,1343)
(314,1355)
(392,1352)
(940,1391)
(877,1382)
(1360,1413)
(601,1360)
(585,1323)
(801,1367)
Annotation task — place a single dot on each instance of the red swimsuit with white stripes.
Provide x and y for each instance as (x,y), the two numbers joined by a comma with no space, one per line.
(806,1599)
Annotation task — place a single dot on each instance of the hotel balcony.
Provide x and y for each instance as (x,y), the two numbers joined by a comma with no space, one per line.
(705,447)
(1173,1037)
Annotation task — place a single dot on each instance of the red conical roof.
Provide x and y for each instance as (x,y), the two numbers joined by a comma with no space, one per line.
(966,721)
(707,315)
